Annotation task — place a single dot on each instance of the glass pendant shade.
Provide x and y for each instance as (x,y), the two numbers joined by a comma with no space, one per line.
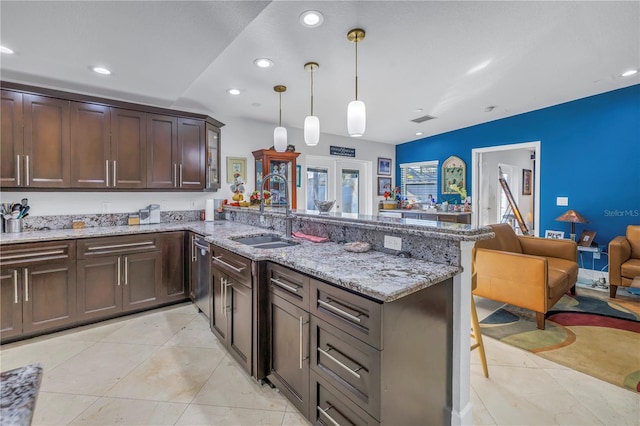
(280,139)
(311,130)
(356,118)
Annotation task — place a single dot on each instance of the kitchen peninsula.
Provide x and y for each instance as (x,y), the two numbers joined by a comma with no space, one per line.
(384,336)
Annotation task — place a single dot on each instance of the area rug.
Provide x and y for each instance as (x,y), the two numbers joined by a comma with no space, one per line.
(600,338)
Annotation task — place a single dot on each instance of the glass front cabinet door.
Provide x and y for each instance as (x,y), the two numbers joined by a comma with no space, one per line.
(282,164)
(213,158)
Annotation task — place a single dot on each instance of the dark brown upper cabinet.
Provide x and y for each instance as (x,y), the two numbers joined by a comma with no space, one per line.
(11,173)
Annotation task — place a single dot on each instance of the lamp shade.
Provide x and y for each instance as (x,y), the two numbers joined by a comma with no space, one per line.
(280,139)
(572,216)
(356,118)
(311,130)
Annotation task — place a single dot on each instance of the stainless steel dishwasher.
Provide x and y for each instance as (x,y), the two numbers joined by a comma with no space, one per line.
(202,271)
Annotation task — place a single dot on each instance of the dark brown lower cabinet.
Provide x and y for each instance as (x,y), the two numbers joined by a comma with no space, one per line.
(142,280)
(231,316)
(174,268)
(38,288)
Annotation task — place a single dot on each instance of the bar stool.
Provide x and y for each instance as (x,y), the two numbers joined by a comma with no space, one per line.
(476,335)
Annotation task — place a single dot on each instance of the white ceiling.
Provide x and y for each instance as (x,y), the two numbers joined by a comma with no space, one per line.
(416,54)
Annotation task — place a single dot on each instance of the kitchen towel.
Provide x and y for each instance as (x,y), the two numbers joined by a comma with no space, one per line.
(208,210)
(312,238)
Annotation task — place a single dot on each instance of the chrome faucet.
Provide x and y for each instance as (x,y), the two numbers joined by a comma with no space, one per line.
(288,216)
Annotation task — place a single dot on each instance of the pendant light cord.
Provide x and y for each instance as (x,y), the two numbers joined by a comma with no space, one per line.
(280,119)
(311,89)
(356,43)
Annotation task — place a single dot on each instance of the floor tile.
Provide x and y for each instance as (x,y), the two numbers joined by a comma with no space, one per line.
(196,334)
(230,386)
(481,416)
(50,353)
(225,416)
(153,329)
(112,411)
(174,374)
(294,419)
(60,408)
(96,369)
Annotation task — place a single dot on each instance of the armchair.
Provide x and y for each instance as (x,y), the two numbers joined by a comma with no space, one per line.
(624,259)
(528,272)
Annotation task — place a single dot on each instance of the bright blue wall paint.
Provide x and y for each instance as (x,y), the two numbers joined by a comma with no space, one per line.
(589,152)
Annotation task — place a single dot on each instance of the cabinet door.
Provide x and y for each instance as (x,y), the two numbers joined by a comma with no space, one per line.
(142,280)
(191,139)
(239,320)
(49,296)
(162,151)
(10,302)
(90,145)
(173,267)
(289,347)
(212,153)
(47,146)
(99,287)
(11,169)
(218,316)
(128,148)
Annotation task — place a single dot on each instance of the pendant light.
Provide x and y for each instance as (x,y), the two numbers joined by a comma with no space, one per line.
(356,111)
(311,123)
(280,133)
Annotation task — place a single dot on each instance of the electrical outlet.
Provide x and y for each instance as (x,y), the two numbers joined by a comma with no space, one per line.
(105,207)
(596,255)
(393,243)
(192,204)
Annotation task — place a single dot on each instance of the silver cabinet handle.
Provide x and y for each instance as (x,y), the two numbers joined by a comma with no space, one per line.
(15,286)
(26,284)
(180,175)
(219,259)
(321,411)
(193,249)
(338,311)
(227,284)
(175,174)
(283,285)
(26,158)
(113,246)
(106,172)
(119,272)
(301,318)
(115,169)
(18,169)
(27,255)
(126,271)
(334,359)
(222,295)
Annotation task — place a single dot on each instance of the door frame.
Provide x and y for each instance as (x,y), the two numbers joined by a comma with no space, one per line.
(477,176)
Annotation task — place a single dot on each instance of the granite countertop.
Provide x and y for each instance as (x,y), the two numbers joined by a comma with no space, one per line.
(18,394)
(425,212)
(375,274)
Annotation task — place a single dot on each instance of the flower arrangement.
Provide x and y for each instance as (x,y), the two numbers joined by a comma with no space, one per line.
(255,197)
(393,194)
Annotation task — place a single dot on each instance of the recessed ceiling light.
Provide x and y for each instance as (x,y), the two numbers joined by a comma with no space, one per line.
(419,133)
(629,73)
(233,91)
(479,67)
(101,70)
(263,63)
(6,50)
(417,110)
(311,18)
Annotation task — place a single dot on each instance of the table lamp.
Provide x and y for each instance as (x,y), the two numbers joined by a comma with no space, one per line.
(573,217)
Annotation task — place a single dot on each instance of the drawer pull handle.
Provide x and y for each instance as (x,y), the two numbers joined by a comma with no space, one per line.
(114,246)
(334,359)
(338,311)
(283,285)
(219,259)
(15,286)
(321,411)
(25,255)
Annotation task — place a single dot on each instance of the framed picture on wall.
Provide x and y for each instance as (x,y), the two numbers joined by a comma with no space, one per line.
(384,184)
(384,166)
(453,175)
(526,182)
(236,165)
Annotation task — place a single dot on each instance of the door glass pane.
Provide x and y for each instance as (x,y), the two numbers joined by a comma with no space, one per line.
(277,187)
(349,186)
(317,186)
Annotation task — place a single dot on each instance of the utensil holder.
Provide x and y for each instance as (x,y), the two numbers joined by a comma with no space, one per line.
(13,225)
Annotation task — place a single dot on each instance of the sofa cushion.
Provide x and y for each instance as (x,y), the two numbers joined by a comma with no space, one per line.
(558,283)
(631,268)
(504,240)
(567,267)
(633,236)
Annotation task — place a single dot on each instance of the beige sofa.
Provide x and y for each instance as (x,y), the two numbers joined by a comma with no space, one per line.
(624,259)
(528,272)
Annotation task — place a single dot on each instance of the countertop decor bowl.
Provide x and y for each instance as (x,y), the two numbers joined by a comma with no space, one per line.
(324,206)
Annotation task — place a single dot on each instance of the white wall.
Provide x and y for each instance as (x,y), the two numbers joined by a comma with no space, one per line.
(239,138)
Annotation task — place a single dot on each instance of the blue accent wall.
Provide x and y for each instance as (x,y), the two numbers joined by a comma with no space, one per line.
(589,152)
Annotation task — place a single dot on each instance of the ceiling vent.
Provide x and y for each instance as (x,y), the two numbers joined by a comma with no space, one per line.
(423,119)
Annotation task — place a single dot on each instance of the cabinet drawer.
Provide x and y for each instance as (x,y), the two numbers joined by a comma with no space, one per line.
(351,366)
(92,247)
(36,253)
(330,408)
(232,264)
(290,285)
(358,316)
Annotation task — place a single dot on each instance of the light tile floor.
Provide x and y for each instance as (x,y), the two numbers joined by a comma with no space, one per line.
(165,367)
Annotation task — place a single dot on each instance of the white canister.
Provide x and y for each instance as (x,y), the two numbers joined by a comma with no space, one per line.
(208,210)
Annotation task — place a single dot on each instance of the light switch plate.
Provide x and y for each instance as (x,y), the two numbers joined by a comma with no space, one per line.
(393,243)
(562,201)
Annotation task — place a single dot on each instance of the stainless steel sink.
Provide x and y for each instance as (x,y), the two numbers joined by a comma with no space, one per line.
(266,241)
